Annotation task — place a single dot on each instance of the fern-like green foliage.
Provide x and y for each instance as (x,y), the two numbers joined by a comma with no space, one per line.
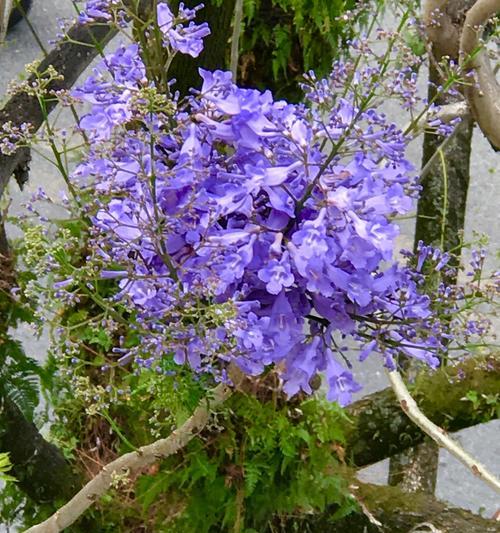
(19,376)
(268,461)
(282,39)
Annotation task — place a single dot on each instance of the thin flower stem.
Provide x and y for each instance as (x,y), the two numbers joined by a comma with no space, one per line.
(19,6)
(427,167)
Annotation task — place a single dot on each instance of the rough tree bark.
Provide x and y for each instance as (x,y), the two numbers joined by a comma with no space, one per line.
(441,206)
(39,467)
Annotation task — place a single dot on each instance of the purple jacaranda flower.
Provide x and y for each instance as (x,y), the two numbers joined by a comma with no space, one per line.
(425,352)
(95,10)
(252,336)
(309,246)
(181,38)
(126,66)
(335,311)
(277,274)
(63,283)
(233,265)
(121,219)
(215,82)
(341,384)
(443,261)
(302,364)
(284,325)
(165,17)
(189,39)
(113,274)
(367,349)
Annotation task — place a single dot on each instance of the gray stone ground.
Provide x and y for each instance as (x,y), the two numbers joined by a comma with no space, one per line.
(455,483)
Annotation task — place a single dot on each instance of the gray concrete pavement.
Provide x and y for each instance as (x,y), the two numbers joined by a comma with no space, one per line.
(455,483)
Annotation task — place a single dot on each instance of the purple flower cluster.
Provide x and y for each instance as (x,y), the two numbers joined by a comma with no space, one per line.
(96,10)
(111,98)
(177,36)
(248,230)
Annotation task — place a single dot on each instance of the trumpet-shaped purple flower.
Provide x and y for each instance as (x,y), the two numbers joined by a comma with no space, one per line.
(185,39)
(95,10)
(277,274)
(341,383)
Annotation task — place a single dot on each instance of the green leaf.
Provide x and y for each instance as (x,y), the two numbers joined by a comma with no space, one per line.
(5,466)
(98,336)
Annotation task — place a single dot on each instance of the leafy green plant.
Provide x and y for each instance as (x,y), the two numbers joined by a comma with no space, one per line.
(19,373)
(237,477)
(19,376)
(282,39)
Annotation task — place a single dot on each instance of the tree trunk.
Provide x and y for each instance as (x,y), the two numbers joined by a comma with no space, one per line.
(435,225)
(440,214)
(39,467)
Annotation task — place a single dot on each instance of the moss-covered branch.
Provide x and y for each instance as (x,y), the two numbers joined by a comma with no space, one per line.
(396,512)
(39,467)
(381,429)
(69,58)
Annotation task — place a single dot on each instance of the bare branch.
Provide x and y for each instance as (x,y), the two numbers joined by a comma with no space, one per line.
(436,433)
(5,9)
(69,58)
(133,462)
(235,38)
(483,94)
